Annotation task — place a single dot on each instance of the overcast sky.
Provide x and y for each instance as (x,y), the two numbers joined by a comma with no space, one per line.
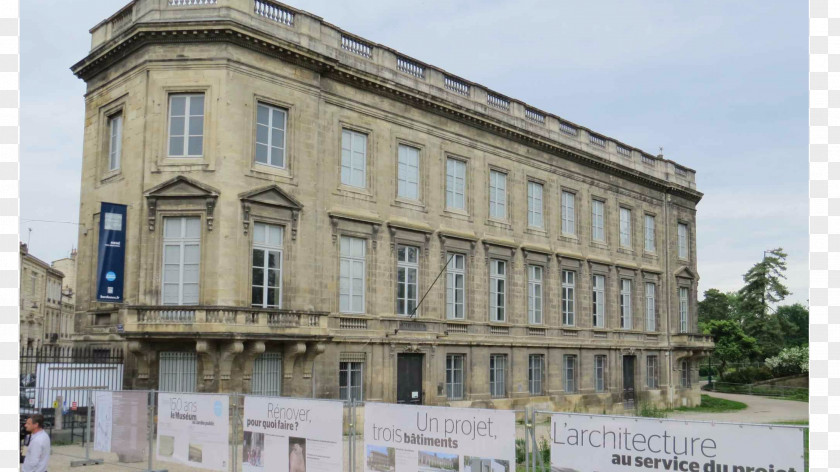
(721,85)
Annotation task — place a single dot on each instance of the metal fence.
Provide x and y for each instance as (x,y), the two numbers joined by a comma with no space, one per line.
(764,390)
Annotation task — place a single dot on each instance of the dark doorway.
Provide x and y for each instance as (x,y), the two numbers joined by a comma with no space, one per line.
(410,378)
(629,375)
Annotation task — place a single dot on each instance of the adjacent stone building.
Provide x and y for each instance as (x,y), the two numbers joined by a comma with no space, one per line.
(46,317)
(295,192)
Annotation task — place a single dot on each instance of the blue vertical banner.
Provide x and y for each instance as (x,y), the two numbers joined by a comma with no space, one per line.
(110,266)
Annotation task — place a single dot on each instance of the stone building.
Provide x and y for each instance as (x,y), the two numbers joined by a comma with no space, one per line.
(294,191)
(67,266)
(45,318)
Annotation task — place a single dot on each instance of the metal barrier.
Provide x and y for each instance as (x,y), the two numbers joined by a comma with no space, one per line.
(764,390)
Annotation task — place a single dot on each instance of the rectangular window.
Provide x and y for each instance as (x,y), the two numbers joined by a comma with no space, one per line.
(685,374)
(456,184)
(407,267)
(271,136)
(598,301)
(567,210)
(498,195)
(267,266)
(408,172)
(498,367)
(536,370)
(568,302)
(626,303)
(683,310)
(350,381)
(177,372)
(497,290)
(650,306)
(600,365)
(115,123)
(682,240)
(268,374)
(181,256)
(186,125)
(353,158)
(535,298)
(652,372)
(352,276)
(598,221)
(624,227)
(570,373)
(535,205)
(455,376)
(650,233)
(455,291)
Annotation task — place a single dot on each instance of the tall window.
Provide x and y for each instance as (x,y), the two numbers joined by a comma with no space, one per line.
(181,255)
(624,227)
(268,374)
(115,123)
(456,184)
(267,266)
(650,233)
(350,380)
(598,221)
(536,370)
(685,374)
(535,205)
(454,376)
(271,136)
(567,203)
(408,172)
(497,289)
(176,372)
(568,302)
(652,372)
(682,240)
(650,306)
(455,277)
(570,373)
(498,195)
(352,275)
(498,366)
(626,304)
(598,301)
(683,310)
(407,266)
(600,365)
(353,158)
(186,125)
(535,301)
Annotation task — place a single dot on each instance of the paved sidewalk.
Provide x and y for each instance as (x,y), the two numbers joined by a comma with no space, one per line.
(759,410)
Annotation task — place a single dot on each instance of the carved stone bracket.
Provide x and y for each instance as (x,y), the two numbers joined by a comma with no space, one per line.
(151,202)
(226,356)
(255,348)
(313,350)
(211,206)
(207,351)
(145,355)
(290,354)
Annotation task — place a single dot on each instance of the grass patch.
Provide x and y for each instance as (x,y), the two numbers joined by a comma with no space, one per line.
(709,404)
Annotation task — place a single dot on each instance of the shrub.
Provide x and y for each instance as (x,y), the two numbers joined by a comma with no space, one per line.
(790,361)
(748,375)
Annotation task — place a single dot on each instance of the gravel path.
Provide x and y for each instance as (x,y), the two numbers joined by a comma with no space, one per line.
(759,410)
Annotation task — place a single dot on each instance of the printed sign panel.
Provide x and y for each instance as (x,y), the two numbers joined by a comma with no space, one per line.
(620,443)
(103,427)
(121,423)
(110,266)
(413,438)
(193,430)
(291,435)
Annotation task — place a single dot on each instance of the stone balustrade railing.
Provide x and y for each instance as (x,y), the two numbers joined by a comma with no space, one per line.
(170,314)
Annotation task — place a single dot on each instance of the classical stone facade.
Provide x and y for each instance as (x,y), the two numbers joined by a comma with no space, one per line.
(294,192)
(46,316)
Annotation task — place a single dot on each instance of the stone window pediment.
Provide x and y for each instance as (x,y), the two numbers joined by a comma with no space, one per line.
(685,272)
(272,204)
(181,193)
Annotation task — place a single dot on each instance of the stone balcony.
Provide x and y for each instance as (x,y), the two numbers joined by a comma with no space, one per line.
(693,341)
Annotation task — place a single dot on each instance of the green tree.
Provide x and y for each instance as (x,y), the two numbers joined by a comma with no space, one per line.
(716,305)
(764,287)
(794,321)
(732,344)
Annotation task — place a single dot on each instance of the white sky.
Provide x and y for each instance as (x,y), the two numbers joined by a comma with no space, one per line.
(721,85)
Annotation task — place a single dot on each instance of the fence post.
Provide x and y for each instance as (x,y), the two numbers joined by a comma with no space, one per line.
(351,445)
(234,458)
(86,436)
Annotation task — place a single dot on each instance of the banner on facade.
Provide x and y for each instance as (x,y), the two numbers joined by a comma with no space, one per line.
(121,423)
(193,430)
(110,266)
(411,438)
(292,435)
(620,444)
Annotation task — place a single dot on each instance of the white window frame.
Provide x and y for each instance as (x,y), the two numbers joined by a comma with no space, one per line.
(270,144)
(535,294)
(351,391)
(350,263)
(405,269)
(650,233)
(683,294)
(455,272)
(682,241)
(456,184)
(536,373)
(626,303)
(567,217)
(535,205)
(598,221)
(267,377)
(187,130)
(408,172)
(498,372)
(353,162)
(115,132)
(650,306)
(498,195)
(455,376)
(625,227)
(652,380)
(598,283)
(498,290)
(182,243)
(568,297)
(570,373)
(600,363)
(266,248)
(177,371)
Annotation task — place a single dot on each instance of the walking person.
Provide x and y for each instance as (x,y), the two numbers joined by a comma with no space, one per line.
(38,452)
